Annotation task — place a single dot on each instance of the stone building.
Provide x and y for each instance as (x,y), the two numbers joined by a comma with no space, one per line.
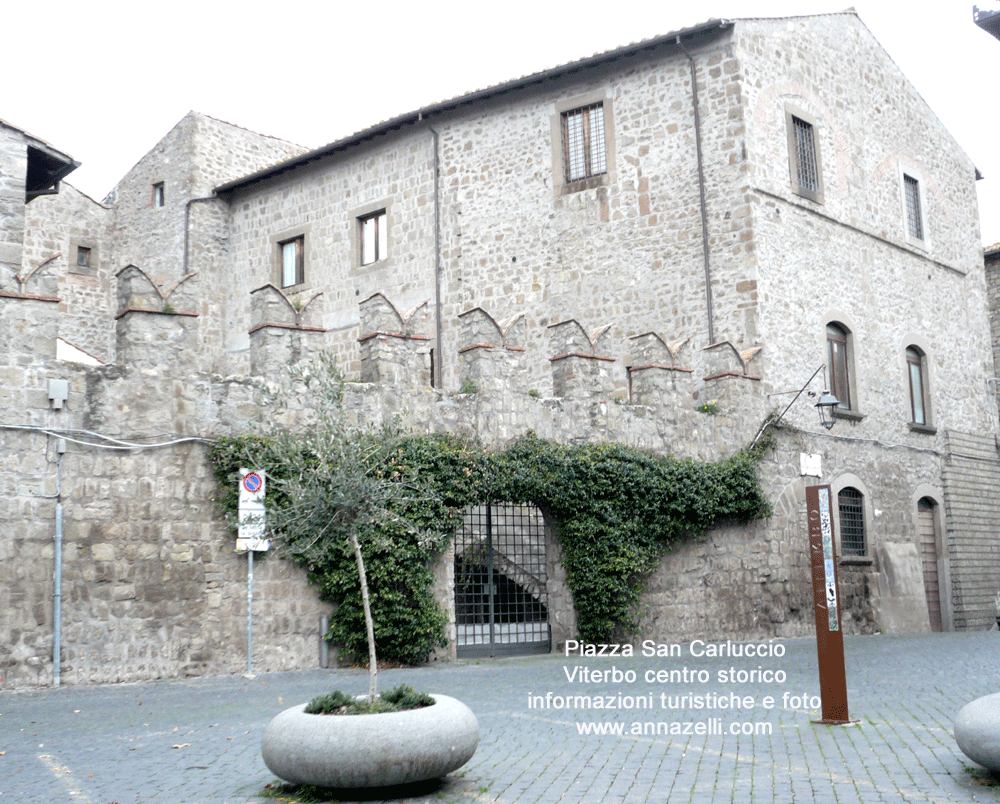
(712,220)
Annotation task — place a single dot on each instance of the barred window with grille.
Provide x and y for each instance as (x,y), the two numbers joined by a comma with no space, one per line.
(804,163)
(805,153)
(584,147)
(851,503)
(914,214)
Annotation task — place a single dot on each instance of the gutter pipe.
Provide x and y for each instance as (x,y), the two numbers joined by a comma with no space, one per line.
(438,364)
(701,194)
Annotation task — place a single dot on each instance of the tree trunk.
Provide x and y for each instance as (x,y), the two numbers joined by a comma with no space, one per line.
(369,625)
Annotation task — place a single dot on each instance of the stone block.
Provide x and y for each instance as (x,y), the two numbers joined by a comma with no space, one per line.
(900,605)
(977,731)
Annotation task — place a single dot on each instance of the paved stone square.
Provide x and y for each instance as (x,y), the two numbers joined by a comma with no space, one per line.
(197,741)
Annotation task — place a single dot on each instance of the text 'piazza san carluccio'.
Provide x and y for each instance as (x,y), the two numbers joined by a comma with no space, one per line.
(696,647)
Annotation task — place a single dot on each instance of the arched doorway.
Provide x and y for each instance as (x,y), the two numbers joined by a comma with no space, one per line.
(501,599)
(927,542)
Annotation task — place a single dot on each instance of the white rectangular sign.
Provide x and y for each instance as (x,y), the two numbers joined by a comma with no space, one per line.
(251,512)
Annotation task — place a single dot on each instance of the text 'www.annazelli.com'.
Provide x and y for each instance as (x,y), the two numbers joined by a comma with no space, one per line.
(674,728)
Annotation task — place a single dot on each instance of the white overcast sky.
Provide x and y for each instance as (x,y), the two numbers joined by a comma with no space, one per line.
(104,80)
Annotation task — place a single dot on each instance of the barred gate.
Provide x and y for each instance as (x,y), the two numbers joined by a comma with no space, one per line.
(501,601)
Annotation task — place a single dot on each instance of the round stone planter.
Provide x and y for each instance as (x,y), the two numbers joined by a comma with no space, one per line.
(350,751)
(977,731)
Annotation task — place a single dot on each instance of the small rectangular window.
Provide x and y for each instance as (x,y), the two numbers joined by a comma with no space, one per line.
(583,142)
(292,261)
(804,163)
(158,194)
(374,237)
(82,257)
(914,214)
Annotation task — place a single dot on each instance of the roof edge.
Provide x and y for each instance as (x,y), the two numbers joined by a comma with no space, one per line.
(420,115)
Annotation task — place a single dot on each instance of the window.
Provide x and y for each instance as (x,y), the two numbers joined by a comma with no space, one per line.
(583,144)
(374,237)
(851,504)
(917,381)
(804,163)
(291,261)
(838,362)
(914,214)
(584,150)
(158,194)
(85,257)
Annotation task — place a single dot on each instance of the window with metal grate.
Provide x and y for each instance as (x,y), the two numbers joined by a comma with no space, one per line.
(583,142)
(851,503)
(805,155)
(914,214)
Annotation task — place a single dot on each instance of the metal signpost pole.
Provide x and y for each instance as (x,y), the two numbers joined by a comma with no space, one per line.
(251,538)
(250,612)
(829,637)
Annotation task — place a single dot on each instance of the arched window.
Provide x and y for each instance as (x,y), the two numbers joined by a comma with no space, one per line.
(851,504)
(916,372)
(838,361)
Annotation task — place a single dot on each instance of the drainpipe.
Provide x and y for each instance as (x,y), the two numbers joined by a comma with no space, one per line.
(701,193)
(438,352)
(187,223)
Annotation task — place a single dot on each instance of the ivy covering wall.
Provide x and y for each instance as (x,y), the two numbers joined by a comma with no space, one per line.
(616,511)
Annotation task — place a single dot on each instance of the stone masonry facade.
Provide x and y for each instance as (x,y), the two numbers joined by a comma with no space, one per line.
(625,251)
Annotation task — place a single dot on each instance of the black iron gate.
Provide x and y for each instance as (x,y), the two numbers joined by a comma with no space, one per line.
(501,601)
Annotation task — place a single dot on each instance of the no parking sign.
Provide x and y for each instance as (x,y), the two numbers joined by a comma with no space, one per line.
(251,512)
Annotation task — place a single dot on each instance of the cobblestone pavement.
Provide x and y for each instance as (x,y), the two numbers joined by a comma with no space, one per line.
(187,742)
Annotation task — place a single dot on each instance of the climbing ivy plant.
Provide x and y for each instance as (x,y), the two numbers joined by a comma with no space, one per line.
(616,510)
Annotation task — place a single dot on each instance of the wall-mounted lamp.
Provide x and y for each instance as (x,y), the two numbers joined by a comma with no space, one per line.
(827,402)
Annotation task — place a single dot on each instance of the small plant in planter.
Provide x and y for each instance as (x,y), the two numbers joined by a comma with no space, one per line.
(399,699)
(331,485)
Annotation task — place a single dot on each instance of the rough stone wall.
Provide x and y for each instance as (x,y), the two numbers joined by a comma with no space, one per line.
(56,226)
(847,258)
(13,168)
(198,154)
(992,265)
(324,205)
(151,584)
(757,582)
(626,254)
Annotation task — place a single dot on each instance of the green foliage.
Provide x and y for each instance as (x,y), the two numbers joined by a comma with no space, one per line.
(329,703)
(405,697)
(468,387)
(617,510)
(398,699)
